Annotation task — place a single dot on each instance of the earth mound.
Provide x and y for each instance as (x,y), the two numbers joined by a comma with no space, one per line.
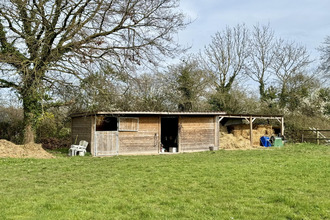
(31,150)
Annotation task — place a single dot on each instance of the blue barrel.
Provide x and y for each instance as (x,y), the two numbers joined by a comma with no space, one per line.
(265,141)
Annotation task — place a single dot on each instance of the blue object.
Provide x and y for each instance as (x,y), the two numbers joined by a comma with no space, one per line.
(265,141)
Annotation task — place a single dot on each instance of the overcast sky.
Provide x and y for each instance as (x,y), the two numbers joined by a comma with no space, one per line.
(304,21)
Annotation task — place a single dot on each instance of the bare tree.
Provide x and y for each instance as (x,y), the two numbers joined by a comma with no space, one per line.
(290,60)
(148,93)
(225,56)
(325,58)
(261,56)
(41,38)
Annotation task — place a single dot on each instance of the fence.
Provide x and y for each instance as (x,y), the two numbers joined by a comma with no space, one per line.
(314,135)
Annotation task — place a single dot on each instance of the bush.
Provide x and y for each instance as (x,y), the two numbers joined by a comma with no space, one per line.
(55,143)
(296,122)
(11,124)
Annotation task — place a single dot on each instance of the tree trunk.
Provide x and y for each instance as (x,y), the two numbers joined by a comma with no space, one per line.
(31,96)
(29,134)
(283,96)
(32,111)
(262,90)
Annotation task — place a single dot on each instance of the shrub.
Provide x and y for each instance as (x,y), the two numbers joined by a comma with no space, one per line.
(55,143)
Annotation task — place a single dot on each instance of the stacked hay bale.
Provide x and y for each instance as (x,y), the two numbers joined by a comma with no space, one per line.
(257,132)
(230,142)
(240,136)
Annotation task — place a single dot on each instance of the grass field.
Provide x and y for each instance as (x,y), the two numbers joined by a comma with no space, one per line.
(292,182)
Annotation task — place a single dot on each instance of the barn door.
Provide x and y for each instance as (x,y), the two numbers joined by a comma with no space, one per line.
(107,143)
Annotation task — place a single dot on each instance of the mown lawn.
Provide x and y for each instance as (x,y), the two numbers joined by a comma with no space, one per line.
(292,182)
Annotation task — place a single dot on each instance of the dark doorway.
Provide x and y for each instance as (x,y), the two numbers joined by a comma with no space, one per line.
(169,134)
(104,123)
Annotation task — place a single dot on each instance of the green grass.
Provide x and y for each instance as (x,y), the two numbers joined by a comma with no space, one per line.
(292,182)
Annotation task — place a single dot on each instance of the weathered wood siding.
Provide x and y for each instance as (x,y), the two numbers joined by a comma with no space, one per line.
(143,141)
(81,130)
(128,124)
(196,133)
(106,142)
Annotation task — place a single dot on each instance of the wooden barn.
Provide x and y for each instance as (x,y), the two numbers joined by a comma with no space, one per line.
(119,133)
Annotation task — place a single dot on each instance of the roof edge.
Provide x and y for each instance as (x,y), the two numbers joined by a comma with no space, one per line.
(169,113)
(144,113)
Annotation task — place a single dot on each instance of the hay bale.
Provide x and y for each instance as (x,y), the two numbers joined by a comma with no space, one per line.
(265,129)
(243,131)
(229,141)
(237,133)
(241,127)
(246,133)
(256,137)
(223,129)
(232,142)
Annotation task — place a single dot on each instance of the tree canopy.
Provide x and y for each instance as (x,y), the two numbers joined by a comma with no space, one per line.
(44,42)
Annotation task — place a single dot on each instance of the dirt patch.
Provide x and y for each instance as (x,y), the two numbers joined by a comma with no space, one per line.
(9,149)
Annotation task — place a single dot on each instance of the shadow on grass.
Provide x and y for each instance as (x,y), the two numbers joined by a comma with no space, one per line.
(63,152)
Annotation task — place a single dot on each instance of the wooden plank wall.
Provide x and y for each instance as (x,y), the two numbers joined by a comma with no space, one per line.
(196,133)
(144,141)
(128,124)
(81,130)
(107,143)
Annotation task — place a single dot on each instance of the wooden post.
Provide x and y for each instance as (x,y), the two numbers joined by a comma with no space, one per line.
(179,134)
(93,135)
(160,134)
(251,132)
(302,138)
(282,126)
(318,137)
(216,132)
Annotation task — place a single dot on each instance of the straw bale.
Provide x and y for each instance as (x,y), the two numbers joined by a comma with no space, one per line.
(223,129)
(246,133)
(237,133)
(241,127)
(243,131)
(265,129)
(231,142)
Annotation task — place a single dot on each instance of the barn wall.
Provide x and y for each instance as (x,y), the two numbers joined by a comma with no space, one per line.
(143,141)
(81,130)
(197,133)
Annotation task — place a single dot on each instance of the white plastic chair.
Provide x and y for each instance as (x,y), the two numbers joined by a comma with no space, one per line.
(80,149)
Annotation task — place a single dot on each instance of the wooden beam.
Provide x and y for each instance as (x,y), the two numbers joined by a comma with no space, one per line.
(216,132)
(220,118)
